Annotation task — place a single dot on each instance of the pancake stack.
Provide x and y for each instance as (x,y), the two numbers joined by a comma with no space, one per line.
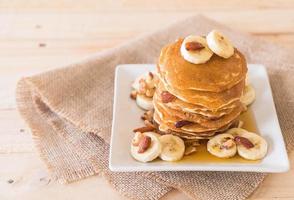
(197,101)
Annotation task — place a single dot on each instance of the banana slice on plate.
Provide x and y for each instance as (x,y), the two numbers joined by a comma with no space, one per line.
(251,146)
(220,44)
(222,146)
(136,83)
(144,102)
(195,50)
(145,146)
(145,76)
(248,95)
(173,148)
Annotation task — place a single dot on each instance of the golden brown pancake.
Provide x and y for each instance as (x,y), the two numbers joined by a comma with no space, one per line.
(212,100)
(216,75)
(181,106)
(200,124)
(168,128)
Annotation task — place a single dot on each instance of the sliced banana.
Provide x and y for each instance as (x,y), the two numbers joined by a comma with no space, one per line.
(145,76)
(153,150)
(220,44)
(196,56)
(144,102)
(173,148)
(136,83)
(136,139)
(222,146)
(248,95)
(259,149)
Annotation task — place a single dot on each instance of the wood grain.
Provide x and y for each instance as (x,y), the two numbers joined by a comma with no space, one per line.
(38,35)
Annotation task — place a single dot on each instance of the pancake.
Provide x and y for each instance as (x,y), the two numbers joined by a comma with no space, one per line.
(205,100)
(216,75)
(170,129)
(179,105)
(200,124)
(212,100)
(167,127)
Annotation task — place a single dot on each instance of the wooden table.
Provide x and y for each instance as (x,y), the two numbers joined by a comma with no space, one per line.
(38,35)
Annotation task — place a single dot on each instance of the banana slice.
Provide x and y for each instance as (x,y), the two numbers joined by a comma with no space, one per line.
(136,83)
(173,148)
(153,150)
(199,51)
(144,102)
(248,95)
(220,44)
(251,146)
(222,146)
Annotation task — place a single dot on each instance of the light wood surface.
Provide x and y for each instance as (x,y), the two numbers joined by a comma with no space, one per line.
(38,35)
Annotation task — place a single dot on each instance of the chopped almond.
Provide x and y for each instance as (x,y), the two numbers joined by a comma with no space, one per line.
(148,123)
(144,129)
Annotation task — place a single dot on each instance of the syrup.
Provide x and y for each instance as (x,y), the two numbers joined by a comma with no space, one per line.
(203,156)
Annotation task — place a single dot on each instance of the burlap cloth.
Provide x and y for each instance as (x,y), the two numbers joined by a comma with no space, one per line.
(69,111)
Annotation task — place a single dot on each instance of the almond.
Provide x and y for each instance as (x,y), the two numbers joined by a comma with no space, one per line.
(244,141)
(194,46)
(144,129)
(144,144)
(227,144)
(148,123)
(189,150)
(192,142)
(143,117)
(167,97)
(147,115)
(150,113)
(151,75)
(142,86)
(180,124)
(133,95)
(150,92)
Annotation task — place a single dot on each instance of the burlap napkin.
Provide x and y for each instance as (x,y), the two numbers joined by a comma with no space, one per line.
(69,111)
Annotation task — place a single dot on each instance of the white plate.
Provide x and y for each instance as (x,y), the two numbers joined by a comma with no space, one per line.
(126,117)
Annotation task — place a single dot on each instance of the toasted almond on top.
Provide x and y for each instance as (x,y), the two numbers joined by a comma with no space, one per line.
(194,46)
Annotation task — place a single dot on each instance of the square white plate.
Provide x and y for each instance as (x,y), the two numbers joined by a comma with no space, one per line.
(126,117)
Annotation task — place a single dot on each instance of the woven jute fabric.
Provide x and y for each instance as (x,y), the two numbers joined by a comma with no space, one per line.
(69,111)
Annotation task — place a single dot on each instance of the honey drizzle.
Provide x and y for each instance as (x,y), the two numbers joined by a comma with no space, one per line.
(203,156)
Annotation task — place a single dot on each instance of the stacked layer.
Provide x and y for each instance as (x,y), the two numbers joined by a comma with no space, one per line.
(196,101)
